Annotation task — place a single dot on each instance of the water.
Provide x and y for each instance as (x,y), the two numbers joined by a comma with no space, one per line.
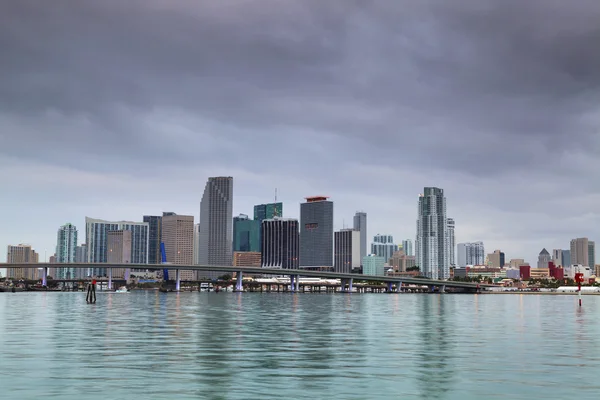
(307,346)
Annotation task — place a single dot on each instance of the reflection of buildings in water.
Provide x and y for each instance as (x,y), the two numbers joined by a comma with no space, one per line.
(436,352)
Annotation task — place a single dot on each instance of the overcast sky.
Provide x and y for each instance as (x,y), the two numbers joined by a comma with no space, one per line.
(114,109)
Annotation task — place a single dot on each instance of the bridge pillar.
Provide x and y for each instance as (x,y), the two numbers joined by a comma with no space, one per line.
(177,281)
(350,281)
(399,287)
(292,286)
(297,283)
(389,287)
(110,279)
(45,276)
(239,286)
(443,289)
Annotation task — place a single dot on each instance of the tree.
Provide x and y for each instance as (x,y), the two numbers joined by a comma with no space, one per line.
(225,277)
(410,269)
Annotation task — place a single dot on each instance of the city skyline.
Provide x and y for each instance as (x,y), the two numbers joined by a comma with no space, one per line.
(356,112)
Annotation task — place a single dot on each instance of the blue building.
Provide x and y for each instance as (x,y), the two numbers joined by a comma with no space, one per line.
(246,234)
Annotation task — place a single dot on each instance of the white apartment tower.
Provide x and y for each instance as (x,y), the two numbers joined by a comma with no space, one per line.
(432,255)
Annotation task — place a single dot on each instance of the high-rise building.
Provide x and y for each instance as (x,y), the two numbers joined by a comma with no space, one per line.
(451,242)
(383,246)
(557,257)
(346,251)
(496,259)
(66,247)
(544,259)
(96,237)
(216,227)
(280,243)
(400,262)
(432,232)
(580,252)
(591,254)
(360,224)
(154,238)
(316,233)
(21,254)
(178,237)
(196,242)
(119,251)
(81,258)
(246,234)
(407,247)
(373,265)
(566,258)
(470,254)
(267,211)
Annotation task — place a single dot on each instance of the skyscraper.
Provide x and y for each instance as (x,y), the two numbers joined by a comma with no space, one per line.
(591,254)
(580,252)
(451,242)
(383,246)
(154,238)
(178,237)
(407,247)
(119,251)
(280,243)
(267,211)
(216,227)
(566,258)
(246,234)
(346,251)
(496,259)
(196,243)
(21,254)
(316,233)
(432,232)
(544,259)
(360,224)
(66,247)
(470,254)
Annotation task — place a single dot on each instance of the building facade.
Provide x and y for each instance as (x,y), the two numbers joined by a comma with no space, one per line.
(496,259)
(216,225)
(360,225)
(580,252)
(407,247)
(21,254)
(316,233)
(280,243)
(566,258)
(383,246)
(119,245)
(374,265)
(400,262)
(432,232)
(154,238)
(451,242)
(544,258)
(247,259)
(470,254)
(346,251)
(246,234)
(178,238)
(66,248)
(196,243)
(267,211)
(591,254)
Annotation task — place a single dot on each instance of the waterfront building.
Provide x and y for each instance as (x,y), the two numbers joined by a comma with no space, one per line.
(66,247)
(544,259)
(267,211)
(432,232)
(21,254)
(360,224)
(374,265)
(119,251)
(316,233)
(407,247)
(591,254)
(96,237)
(580,251)
(470,254)
(216,227)
(247,259)
(196,243)
(246,234)
(346,251)
(178,239)
(383,246)
(280,243)
(451,242)
(400,261)
(496,259)
(154,238)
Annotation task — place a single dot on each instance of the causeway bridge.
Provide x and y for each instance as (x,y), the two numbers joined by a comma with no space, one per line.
(347,280)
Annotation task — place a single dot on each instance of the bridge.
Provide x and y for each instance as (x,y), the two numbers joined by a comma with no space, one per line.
(347,280)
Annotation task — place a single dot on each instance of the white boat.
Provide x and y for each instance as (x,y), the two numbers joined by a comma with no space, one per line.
(122,289)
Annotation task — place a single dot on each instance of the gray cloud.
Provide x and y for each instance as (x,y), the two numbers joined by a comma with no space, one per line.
(367,101)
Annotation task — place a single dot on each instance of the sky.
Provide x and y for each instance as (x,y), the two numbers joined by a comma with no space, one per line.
(116,109)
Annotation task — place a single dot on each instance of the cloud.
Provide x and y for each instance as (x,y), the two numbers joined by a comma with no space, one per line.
(116,106)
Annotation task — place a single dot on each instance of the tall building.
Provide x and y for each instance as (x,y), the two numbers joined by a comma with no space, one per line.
(119,251)
(432,232)
(360,224)
(246,234)
(316,233)
(280,243)
(374,265)
(496,259)
(21,254)
(96,238)
(383,246)
(346,251)
(580,252)
(407,247)
(216,228)
(66,247)
(196,243)
(557,257)
(247,259)
(154,238)
(566,258)
(591,254)
(470,254)
(400,262)
(178,237)
(267,211)
(81,258)
(451,242)
(544,259)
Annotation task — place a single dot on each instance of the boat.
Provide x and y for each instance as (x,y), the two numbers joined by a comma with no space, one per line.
(122,289)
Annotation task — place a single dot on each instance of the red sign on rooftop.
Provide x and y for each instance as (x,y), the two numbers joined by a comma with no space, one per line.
(316,198)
